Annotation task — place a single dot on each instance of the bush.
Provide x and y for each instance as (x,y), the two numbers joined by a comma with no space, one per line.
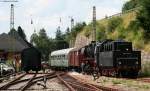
(100,35)
(145,69)
(113,23)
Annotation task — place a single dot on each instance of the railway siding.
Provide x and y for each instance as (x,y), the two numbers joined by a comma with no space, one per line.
(114,84)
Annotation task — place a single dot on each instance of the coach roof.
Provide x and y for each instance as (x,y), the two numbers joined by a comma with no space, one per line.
(61,52)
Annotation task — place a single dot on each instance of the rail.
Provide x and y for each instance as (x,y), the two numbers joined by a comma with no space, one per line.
(4,87)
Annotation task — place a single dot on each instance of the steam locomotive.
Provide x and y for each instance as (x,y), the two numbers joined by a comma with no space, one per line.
(108,57)
(116,58)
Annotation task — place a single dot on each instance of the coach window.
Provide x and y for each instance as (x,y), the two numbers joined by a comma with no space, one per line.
(63,57)
(109,47)
(106,47)
(55,57)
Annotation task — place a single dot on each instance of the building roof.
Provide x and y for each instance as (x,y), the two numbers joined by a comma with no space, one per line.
(61,52)
(10,44)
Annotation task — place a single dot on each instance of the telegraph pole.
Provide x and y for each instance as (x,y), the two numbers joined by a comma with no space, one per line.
(71,28)
(72,23)
(11,12)
(94,24)
(12,17)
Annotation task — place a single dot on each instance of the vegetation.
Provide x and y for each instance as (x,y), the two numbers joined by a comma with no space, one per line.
(43,43)
(130,5)
(145,69)
(60,42)
(21,33)
(131,26)
(143,18)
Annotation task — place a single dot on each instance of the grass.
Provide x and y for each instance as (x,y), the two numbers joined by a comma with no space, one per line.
(145,72)
(116,82)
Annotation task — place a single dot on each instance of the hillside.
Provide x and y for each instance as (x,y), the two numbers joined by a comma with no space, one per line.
(119,26)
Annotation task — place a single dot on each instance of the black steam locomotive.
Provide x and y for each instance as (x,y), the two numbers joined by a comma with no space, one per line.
(114,58)
(31,59)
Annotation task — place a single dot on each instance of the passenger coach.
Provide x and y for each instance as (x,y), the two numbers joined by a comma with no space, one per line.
(60,59)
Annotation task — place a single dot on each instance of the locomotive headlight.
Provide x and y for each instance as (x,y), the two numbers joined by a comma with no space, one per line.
(136,62)
(119,62)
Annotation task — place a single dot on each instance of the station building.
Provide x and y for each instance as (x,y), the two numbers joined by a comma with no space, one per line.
(11,46)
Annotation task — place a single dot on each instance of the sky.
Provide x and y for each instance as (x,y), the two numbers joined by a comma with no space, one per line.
(47,13)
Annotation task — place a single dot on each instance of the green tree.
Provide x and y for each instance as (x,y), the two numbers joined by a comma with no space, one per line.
(21,33)
(34,39)
(60,41)
(130,5)
(12,31)
(67,35)
(77,28)
(59,35)
(143,17)
(43,43)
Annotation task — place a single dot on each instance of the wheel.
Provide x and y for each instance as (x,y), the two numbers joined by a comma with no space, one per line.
(117,74)
(133,74)
(124,74)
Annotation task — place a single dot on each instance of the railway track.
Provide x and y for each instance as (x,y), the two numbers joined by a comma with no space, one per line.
(74,85)
(25,81)
(102,88)
(28,81)
(6,77)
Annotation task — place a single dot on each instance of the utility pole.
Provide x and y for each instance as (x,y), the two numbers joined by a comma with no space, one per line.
(11,12)
(94,24)
(12,17)
(72,25)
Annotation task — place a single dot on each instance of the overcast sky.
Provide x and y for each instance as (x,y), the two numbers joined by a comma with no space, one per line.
(47,13)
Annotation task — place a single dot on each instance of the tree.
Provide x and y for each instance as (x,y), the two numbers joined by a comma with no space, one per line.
(60,41)
(67,31)
(12,31)
(67,35)
(43,43)
(77,28)
(21,33)
(143,17)
(34,39)
(59,34)
(130,5)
